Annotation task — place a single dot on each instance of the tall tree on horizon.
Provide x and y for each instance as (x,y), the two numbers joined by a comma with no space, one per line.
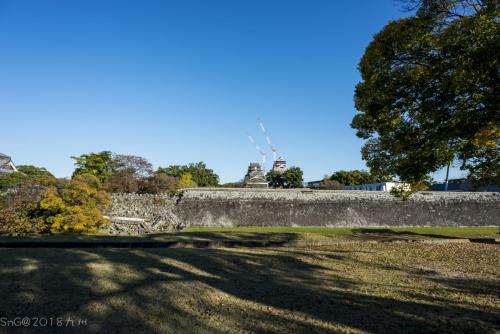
(430,93)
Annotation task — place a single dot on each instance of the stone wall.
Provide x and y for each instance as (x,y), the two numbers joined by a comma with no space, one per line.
(256,207)
(262,207)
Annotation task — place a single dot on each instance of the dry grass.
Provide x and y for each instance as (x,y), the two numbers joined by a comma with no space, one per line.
(377,288)
(289,236)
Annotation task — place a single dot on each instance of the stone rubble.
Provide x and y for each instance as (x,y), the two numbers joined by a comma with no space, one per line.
(142,214)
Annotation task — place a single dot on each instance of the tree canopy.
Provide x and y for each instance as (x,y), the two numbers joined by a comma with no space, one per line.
(186,181)
(356,177)
(201,175)
(26,172)
(121,173)
(132,164)
(329,184)
(99,164)
(158,183)
(77,206)
(73,206)
(429,93)
(291,178)
(130,174)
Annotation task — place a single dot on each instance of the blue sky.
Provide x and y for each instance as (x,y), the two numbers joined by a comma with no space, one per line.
(183,81)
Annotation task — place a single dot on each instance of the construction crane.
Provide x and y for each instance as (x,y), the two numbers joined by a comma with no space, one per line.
(259,149)
(268,140)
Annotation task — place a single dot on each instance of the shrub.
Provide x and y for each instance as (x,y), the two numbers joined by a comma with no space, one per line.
(186,181)
(329,184)
(77,207)
(65,207)
(158,183)
(26,173)
(122,182)
(20,213)
(404,192)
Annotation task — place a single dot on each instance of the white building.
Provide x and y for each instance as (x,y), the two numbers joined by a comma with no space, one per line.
(383,186)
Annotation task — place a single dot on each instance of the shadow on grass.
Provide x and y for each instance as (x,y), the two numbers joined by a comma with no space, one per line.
(166,240)
(389,232)
(215,291)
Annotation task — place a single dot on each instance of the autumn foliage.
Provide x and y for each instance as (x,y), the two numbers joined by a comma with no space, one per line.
(76,208)
(73,206)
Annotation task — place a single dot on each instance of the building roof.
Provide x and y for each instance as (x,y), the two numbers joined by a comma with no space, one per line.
(4,160)
(6,165)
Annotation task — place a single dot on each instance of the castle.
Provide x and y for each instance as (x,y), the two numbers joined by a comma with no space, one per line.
(255,177)
(279,165)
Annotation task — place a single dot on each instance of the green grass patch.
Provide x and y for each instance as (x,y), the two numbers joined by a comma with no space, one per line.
(285,236)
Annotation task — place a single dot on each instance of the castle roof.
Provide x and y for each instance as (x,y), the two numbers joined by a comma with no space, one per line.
(6,165)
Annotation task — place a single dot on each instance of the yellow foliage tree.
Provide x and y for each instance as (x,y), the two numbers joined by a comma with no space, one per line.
(76,208)
(186,181)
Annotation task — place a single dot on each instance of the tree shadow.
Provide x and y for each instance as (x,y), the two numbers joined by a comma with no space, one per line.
(165,240)
(386,232)
(215,291)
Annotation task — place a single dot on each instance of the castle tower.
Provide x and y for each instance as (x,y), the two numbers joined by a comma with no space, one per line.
(255,177)
(279,165)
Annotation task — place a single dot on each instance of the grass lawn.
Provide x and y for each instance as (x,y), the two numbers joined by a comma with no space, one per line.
(444,231)
(352,287)
(290,236)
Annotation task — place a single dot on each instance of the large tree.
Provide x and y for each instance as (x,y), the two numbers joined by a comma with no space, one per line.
(291,178)
(430,94)
(201,175)
(99,164)
(135,165)
(129,173)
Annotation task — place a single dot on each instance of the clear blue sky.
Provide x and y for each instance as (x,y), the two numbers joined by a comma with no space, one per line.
(182,81)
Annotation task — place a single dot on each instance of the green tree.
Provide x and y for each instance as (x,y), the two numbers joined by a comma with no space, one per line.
(429,93)
(291,178)
(173,170)
(34,172)
(275,179)
(99,164)
(37,174)
(203,176)
(356,177)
